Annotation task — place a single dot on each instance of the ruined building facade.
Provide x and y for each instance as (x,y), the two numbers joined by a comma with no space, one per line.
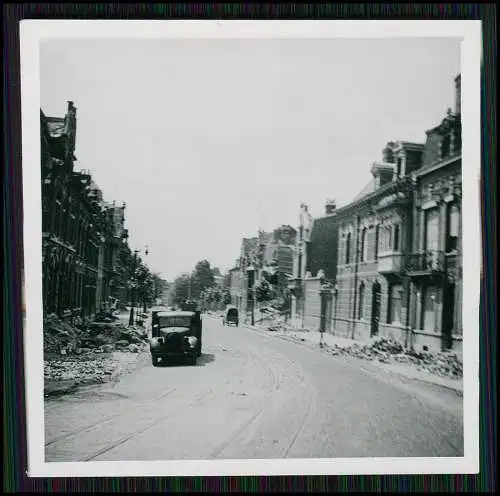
(81,234)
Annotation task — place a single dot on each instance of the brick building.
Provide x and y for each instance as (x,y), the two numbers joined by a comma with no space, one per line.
(74,227)
(315,268)
(374,233)
(435,265)
(399,254)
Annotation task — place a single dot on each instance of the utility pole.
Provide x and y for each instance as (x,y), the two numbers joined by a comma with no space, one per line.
(133,292)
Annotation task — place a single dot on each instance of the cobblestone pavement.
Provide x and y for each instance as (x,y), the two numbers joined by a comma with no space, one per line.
(254,396)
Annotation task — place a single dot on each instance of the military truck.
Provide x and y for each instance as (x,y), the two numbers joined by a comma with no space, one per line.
(196,322)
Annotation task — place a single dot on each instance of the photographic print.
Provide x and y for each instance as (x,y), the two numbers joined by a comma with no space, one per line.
(251,248)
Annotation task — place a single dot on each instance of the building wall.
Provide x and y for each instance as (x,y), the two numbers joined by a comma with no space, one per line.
(438,190)
(323,247)
(72,224)
(312,304)
(413,304)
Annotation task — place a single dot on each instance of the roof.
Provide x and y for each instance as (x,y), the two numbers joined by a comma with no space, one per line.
(368,189)
(175,314)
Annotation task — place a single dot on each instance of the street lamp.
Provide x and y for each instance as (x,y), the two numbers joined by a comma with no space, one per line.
(134,285)
(133,289)
(251,284)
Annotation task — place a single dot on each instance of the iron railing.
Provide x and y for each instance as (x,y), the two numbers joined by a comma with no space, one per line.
(425,262)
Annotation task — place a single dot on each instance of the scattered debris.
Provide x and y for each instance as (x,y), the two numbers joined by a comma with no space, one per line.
(388,350)
(81,352)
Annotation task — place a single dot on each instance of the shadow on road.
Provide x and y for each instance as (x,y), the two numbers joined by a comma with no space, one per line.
(205,359)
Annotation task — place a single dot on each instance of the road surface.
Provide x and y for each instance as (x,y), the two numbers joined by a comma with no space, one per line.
(253,395)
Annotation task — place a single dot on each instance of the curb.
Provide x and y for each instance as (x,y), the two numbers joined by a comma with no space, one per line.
(312,345)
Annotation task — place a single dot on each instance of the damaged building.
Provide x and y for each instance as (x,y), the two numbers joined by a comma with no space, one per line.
(81,234)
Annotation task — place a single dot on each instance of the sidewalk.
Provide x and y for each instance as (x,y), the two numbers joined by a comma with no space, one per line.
(312,339)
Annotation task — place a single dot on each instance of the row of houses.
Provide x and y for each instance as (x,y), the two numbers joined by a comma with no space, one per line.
(81,233)
(389,263)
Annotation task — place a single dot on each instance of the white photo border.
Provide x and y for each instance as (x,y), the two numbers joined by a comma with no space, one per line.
(32,32)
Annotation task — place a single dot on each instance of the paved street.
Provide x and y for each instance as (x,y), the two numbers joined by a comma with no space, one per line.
(253,395)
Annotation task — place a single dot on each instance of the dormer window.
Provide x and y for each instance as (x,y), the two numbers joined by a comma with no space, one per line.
(446,146)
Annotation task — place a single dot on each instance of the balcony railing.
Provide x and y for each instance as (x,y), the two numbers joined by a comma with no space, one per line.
(390,263)
(429,262)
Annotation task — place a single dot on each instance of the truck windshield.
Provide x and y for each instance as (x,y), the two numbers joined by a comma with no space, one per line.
(179,321)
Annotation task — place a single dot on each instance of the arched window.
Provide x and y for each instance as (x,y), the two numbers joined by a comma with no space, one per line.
(362,255)
(348,249)
(361,303)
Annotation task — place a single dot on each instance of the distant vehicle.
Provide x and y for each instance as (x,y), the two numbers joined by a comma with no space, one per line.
(175,334)
(231,316)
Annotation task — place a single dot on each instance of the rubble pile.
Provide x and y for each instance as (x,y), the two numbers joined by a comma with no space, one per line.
(81,352)
(91,369)
(388,350)
(77,338)
(272,320)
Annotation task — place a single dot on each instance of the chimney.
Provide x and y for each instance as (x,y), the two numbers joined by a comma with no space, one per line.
(388,154)
(330,207)
(458,94)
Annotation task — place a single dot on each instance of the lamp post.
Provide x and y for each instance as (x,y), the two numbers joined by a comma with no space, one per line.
(133,288)
(251,288)
(134,285)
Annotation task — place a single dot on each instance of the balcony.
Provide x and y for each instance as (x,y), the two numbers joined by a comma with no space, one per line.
(390,263)
(425,263)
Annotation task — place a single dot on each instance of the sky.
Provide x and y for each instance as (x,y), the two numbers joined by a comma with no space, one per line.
(206,141)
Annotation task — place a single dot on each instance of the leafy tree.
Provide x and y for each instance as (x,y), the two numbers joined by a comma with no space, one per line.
(226,297)
(263,291)
(202,278)
(181,289)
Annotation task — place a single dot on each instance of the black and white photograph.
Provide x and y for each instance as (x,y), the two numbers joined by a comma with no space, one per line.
(251,248)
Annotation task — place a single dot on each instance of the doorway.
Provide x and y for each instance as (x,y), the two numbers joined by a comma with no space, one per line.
(375,319)
(448,316)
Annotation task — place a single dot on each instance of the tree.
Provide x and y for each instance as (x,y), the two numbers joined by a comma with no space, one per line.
(202,278)
(181,289)
(226,297)
(159,286)
(263,291)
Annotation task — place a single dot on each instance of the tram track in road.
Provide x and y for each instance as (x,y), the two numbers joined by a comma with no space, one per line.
(146,427)
(275,383)
(265,405)
(110,418)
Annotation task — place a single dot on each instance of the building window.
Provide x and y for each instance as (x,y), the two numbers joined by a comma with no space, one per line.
(386,239)
(363,245)
(396,237)
(399,166)
(429,322)
(361,302)
(348,249)
(376,240)
(453,222)
(432,230)
(395,315)
(445,146)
